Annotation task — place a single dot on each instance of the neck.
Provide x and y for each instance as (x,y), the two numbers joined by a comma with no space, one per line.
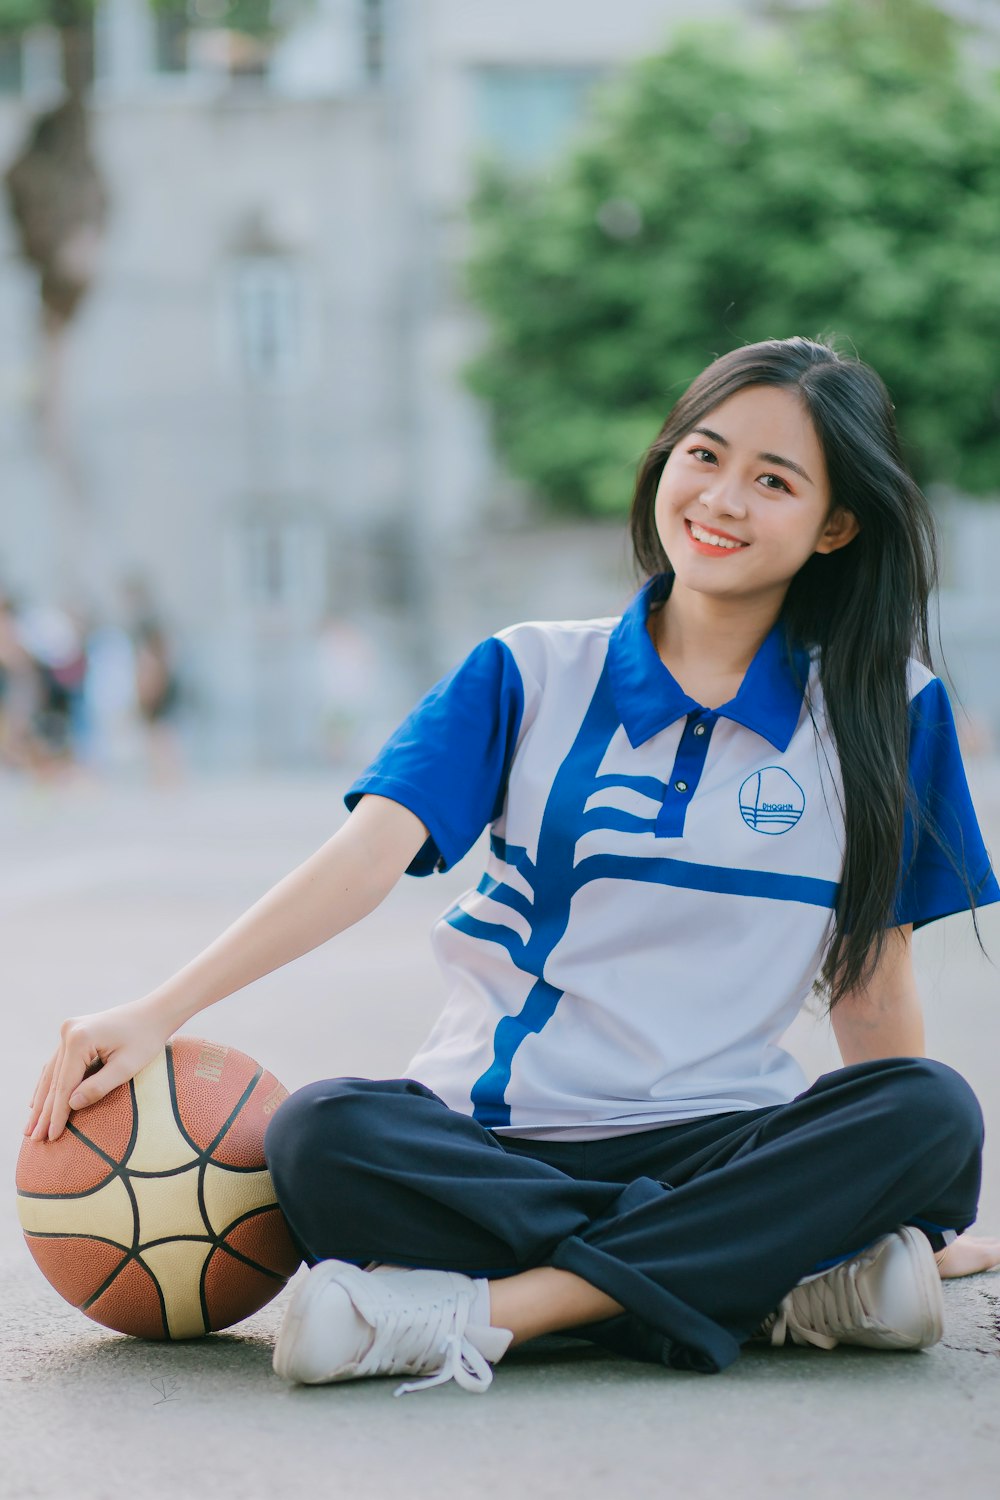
(695,629)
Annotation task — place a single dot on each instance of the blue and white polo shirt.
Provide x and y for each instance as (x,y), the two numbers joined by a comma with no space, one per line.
(659,891)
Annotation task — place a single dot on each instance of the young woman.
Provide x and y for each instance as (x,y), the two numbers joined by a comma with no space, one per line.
(747,785)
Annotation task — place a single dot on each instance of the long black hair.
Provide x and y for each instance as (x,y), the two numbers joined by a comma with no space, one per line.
(864,606)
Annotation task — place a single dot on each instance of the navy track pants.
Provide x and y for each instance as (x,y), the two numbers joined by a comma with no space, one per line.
(698,1229)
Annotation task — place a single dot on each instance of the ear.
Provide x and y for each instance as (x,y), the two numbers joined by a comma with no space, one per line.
(841,527)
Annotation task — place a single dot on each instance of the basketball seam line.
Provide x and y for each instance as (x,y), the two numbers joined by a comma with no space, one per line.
(121,1170)
(172,1087)
(213,1239)
(118,1167)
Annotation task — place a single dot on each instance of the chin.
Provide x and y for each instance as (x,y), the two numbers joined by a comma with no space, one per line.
(707,580)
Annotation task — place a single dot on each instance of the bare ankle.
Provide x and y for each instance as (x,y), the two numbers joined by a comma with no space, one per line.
(545,1299)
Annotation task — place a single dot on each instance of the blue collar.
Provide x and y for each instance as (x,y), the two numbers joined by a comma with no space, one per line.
(648,697)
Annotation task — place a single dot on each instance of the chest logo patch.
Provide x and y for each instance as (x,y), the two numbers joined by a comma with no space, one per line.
(771,801)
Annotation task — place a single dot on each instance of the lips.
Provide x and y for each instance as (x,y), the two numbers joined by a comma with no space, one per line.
(706,543)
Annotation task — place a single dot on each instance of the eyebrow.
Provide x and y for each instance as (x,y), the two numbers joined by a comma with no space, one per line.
(771,458)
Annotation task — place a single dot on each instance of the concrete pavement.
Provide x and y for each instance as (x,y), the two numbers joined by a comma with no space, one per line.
(103,892)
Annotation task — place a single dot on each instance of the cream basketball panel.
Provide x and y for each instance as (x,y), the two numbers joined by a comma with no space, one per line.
(159,1144)
(230,1194)
(177,1266)
(106,1213)
(168,1206)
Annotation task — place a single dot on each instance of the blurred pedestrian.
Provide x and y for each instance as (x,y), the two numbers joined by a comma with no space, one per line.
(54,640)
(348,679)
(157,687)
(20,692)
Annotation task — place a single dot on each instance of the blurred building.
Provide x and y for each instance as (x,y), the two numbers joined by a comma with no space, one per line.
(267,418)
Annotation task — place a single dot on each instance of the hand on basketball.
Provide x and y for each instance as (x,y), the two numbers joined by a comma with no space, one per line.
(96,1053)
(967,1255)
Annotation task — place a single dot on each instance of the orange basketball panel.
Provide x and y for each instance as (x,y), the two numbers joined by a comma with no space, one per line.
(243,1143)
(234,1290)
(264,1239)
(70,1165)
(108,1123)
(210,1080)
(130,1305)
(75,1264)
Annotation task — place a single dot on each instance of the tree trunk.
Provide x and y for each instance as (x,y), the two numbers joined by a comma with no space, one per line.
(59,204)
(73,20)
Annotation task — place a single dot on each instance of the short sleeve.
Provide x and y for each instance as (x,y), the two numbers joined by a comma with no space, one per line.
(943,840)
(449,759)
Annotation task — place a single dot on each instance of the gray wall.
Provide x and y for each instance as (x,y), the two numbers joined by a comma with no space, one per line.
(263,394)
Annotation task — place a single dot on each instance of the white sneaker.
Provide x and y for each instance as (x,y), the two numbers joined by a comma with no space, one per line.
(887,1297)
(343,1323)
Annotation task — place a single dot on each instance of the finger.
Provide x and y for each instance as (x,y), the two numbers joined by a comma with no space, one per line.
(76,1054)
(114,1072)
(75,1061)
(37,1090)
(70,1033)
(41,1129)
(45,1078)
(38,1097)
(86,1086)
(45,1108)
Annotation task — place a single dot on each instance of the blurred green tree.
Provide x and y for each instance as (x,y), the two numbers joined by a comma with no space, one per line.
(842,177)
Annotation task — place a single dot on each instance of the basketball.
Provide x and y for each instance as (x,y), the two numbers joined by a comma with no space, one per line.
(154,1212)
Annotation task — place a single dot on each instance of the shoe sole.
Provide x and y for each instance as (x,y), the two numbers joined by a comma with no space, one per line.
(297,1311)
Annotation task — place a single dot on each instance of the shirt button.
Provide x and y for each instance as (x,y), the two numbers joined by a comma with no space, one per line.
(699,729)
(680,786)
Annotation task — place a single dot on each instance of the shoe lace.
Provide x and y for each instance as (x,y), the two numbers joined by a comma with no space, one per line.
(815,1311)
(414,1340)
(462,1363)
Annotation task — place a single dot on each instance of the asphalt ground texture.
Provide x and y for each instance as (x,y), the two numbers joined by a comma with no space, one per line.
(103,893)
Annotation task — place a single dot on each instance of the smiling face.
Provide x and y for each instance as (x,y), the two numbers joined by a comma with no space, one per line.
(744,499)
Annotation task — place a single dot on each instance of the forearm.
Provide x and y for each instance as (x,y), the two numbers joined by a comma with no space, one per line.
(885,1018)
(873,1032)
(338,885)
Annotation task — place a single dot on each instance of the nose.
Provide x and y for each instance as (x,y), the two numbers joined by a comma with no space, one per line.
(723,497)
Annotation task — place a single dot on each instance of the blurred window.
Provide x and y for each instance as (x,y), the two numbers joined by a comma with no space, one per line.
(277,565)
(195,38)
(373,37)
(11,71)
(264,316)
(526,115)
(267,576)
(171,41)
(31,61)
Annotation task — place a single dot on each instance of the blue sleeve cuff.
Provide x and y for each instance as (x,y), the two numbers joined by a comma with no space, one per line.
(449,760)
(441,849)
(946,866)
